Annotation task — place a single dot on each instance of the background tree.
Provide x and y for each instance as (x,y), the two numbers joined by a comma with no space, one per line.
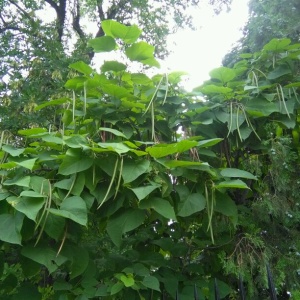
(267,20)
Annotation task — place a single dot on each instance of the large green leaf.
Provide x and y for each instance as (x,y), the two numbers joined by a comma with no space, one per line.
(76,141)
(11,228)
(30,203)
(74,161)
(28,163)
(122,223)
(139,78)
(237,184)
(151,282)
(225,205)
(113,131)
(113,65)
(162,150)
(55,226)
(127,280)
(213,89)
(277,45)
(12,150)
(143,191)
(27,291)
(78,257)
(192,204)
(81,67)
(102,44)
(76,82)
(279,71)
(232,172)
(52,103)
(32,131)
(209,143)
(260,107)
(132,169)
(44,255)
(114,147)
(73,208)
(23,181)
(223,74)
(116,91)
(163,207)
(128,34)
(142,52)
(183,164)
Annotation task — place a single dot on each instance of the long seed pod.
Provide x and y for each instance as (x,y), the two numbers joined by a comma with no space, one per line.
(217,291)
(271,284)
(110,185)
(196,297)
(241,288)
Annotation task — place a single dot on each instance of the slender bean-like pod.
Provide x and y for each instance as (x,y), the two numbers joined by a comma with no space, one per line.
(111,184)
(167,89)
(62,241)
(120,177)
(84,99)
(71,187)
(231,119)
(44,213)
(283,101)
(73,108)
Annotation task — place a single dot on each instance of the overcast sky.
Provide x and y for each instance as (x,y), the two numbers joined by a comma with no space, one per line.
(198,52)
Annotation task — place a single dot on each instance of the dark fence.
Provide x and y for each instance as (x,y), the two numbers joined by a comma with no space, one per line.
(271,291)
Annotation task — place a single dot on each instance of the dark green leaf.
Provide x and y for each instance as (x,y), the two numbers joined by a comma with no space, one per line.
(162,150)
(113,131)
(55,226)
(44,255)
(29,206)
(124,222)
(75,161)
(163,207)
(209,143)
(12,151)
(232,172)
(73,208)
(279,71)
(12,225)
(192,204)
(151,282)
(237,184)
(81,67)
(132,169)
(143,191)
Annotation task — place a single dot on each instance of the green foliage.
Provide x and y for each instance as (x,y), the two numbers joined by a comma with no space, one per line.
(143,189)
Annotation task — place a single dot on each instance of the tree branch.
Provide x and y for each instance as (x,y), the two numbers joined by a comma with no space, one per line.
(100,10)
(25,13)
(76,21)
(60,16)
(53,4)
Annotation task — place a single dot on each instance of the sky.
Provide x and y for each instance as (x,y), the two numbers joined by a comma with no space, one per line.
(198,52)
